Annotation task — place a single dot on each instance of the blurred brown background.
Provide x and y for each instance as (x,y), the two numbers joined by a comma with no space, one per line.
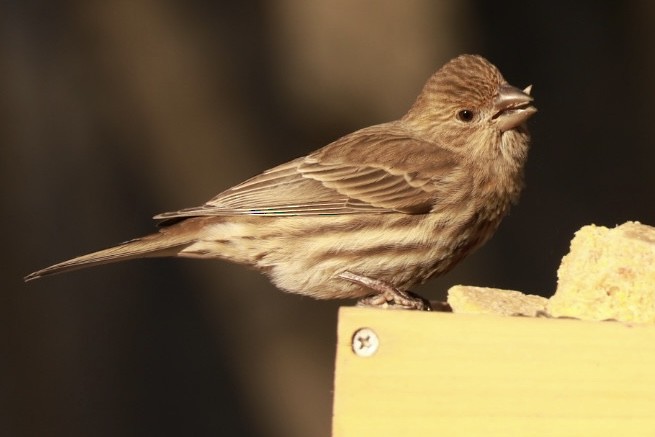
(114,111)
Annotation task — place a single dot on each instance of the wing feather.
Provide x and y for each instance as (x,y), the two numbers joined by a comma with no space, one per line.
(342,178)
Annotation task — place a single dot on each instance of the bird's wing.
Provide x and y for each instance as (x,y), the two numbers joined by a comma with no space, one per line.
(330,182)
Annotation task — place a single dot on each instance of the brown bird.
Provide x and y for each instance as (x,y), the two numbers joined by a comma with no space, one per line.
(376,211)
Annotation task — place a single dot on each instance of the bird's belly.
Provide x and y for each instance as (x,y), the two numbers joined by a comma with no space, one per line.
(305,255)
(400,249)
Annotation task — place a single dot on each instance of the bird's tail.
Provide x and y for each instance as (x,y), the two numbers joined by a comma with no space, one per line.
(161,244)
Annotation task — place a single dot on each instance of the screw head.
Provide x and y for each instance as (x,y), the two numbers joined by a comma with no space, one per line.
(365,342)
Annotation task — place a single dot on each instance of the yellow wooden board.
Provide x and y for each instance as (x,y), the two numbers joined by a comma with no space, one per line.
(444,374)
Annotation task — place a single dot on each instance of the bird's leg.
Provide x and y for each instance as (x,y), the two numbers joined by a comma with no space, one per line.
(386,294)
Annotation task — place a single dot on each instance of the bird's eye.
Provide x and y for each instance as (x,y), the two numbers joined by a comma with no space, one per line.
(465,115)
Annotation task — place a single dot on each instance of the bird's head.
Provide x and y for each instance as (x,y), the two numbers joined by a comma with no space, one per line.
(466,102)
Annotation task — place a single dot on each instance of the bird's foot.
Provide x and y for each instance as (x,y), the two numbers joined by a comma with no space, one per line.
(386,296)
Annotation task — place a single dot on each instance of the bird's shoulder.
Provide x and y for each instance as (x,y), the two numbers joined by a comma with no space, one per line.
(391,147)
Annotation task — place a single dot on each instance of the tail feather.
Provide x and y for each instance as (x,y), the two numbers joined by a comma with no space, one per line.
(161,244)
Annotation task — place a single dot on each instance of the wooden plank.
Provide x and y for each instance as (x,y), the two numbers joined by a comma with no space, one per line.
(455,374)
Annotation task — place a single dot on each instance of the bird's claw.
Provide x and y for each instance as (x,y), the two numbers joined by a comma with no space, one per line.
(386,296)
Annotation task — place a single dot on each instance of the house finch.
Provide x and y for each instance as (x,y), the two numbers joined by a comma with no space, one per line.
(375,212)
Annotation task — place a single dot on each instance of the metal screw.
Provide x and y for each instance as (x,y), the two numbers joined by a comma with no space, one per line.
(365,342)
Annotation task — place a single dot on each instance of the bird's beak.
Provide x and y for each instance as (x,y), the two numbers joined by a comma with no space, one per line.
(512,107)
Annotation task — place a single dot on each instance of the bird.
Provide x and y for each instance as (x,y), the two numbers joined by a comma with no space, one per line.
(373,213)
